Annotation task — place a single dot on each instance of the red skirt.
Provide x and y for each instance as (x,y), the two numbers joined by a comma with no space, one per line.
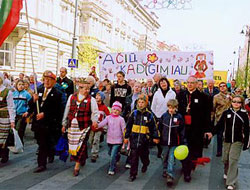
(82,154)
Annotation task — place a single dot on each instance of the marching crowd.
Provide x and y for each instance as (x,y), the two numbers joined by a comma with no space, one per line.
(133,115)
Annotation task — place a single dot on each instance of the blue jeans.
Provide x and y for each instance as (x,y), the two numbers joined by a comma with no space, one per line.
(114,150)
(168,160)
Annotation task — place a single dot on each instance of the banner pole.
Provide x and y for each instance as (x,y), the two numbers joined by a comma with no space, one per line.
(32,60)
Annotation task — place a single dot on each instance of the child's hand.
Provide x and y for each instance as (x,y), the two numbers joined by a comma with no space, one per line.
(125,141)
(156,141)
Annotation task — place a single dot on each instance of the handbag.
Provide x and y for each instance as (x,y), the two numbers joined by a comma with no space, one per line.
(62,148)
(18,145)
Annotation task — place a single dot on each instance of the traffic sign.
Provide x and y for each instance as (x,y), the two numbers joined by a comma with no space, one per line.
(73,63)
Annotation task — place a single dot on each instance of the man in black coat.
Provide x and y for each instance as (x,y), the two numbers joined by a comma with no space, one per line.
(65,82)
(197,124)
(46,122)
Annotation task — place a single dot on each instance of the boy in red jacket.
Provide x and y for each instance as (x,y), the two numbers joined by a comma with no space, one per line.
(94,137)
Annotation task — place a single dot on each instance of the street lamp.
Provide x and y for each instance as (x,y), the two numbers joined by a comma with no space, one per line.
(247,33)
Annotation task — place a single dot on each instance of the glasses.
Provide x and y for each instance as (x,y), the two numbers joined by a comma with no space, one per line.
(238,102)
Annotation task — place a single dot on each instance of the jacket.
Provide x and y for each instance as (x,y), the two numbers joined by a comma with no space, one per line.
(21,99)
(119,93)
(172,129)
(221,103)
(159,102)
(115,131)
(67,84)
(51,108)
(235,127)
(141,126)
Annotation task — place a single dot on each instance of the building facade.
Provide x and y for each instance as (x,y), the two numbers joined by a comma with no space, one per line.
(116,25)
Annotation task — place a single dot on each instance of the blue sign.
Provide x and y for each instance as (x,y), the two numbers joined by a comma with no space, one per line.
(73,63)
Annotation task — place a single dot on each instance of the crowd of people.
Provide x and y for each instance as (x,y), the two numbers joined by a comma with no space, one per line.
(133,115)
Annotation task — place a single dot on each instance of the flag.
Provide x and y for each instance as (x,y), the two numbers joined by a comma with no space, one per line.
(9,17)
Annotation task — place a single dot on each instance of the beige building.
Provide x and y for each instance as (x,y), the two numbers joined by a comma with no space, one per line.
(116,25)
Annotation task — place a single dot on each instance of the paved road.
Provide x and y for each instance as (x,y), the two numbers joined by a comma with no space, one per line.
(18,173)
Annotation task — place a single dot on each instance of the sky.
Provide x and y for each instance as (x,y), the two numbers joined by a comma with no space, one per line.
(209,25)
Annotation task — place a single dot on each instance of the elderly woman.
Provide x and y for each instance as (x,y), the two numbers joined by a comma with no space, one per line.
(7,118)
(80,113)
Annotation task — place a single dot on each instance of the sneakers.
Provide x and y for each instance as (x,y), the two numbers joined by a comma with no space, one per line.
(127,166)
(224,176)
(170,180)
(111,173)
(131,178)
(230,187)
(144,169)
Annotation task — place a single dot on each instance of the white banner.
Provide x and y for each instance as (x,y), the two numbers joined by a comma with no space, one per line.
(143,65)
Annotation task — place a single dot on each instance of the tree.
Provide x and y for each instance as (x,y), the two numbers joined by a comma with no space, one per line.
(240,81)
(88,53)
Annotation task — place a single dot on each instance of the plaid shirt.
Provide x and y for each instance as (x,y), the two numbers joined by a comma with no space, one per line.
(82,111)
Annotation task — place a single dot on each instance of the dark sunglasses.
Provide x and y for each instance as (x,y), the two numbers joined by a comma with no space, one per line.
(238,102)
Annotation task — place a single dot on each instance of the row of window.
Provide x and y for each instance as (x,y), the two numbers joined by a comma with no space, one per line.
(7,57)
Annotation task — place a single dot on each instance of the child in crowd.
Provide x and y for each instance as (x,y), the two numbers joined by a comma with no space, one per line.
(234,123)
(21,98)
(115,129)
(171,127)
(141,124)
(94,137)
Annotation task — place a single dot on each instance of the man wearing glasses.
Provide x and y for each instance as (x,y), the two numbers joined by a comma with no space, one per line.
(221,102)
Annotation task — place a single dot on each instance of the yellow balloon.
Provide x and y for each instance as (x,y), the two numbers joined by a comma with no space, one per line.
(181,152)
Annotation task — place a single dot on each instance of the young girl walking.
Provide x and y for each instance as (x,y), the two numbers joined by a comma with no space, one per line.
(115,129)
(234,124)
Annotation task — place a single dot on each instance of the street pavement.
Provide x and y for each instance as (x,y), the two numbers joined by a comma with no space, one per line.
(18,173)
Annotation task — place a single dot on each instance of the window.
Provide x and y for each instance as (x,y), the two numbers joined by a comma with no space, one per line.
(47,5)
(64,18)
(42,58)
(6,54)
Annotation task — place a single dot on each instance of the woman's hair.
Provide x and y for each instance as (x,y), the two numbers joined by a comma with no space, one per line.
(18,81)
(162,79)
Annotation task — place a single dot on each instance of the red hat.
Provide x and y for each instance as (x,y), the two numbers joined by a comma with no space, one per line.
(49,74)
